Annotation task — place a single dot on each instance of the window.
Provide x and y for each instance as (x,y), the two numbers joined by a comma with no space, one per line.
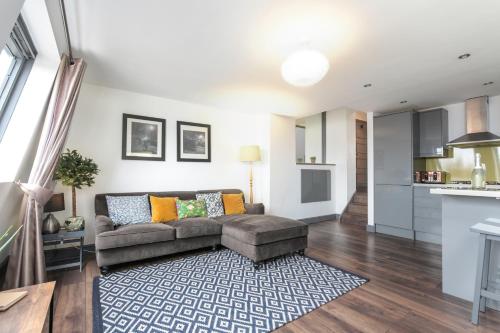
(16,60)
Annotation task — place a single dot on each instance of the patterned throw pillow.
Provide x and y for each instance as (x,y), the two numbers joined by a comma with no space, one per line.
(213,202)
(125,210)
(191,208)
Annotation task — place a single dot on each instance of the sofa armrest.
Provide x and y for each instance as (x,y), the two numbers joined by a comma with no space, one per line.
(255,209)
(102,224)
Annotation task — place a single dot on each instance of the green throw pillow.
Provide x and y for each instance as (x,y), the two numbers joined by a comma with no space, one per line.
(191,208)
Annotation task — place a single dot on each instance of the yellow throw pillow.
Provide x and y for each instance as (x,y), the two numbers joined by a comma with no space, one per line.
(233,204)
(163,209)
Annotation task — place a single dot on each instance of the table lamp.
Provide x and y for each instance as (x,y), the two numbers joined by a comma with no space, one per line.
(55,204)
(250,154)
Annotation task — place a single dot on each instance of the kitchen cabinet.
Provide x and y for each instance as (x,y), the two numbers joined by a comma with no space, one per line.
(430,133)
(427,210)
(393,160)
(393,206)
(392,144)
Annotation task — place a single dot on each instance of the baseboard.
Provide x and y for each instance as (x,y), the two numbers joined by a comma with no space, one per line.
(393,231)
(427,237)
(370,228)
(316,219)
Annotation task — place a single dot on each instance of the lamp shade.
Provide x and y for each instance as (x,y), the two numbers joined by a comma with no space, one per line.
(55,204)
(250,153)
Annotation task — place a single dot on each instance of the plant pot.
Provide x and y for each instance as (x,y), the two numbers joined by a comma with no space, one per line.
(313,160)
(74,223)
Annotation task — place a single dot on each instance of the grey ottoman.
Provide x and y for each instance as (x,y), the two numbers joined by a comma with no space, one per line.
(261,237)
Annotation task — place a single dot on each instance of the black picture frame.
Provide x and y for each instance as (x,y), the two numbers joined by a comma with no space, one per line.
(181,156)
(126,134)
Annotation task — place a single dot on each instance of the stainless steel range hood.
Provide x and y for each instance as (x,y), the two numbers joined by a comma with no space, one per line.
(476,120)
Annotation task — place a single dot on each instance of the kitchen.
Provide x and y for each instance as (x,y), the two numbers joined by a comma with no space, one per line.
(423,164)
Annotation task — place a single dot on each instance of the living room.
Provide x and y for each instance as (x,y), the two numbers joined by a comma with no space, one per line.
(249,166)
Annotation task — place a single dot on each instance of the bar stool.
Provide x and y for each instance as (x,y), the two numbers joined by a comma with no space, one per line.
(489,231)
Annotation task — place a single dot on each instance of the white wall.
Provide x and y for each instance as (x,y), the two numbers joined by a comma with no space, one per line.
(341,151)
(313,138)
(96,132)
(300,144)
(285,175)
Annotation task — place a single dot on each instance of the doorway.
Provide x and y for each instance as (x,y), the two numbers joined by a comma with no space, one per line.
(361,155)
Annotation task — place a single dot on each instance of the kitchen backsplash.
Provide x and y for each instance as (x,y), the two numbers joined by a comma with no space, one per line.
(461,161)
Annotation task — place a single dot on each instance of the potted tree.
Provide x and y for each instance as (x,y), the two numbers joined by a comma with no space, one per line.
(76,171)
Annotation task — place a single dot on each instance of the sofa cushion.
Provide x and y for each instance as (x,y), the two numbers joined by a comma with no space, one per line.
(163,209)
(233,204)
(213,202)
(134,234)
(196,227)
(230,218)
(125,210)
(263,229)
(191,208)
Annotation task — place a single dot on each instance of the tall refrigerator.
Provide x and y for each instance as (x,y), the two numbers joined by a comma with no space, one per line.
(393,174)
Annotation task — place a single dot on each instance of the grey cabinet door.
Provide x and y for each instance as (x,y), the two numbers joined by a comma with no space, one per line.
(393,149)
(432,133)
(427,211)
(393,206)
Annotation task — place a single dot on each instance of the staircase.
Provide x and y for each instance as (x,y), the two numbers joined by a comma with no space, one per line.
(356,212)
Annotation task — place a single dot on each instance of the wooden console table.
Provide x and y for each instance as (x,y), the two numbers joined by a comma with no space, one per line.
(33,313)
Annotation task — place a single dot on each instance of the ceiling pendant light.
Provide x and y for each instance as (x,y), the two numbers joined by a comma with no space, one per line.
(304,67)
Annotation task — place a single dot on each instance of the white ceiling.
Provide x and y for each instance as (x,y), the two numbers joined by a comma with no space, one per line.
(228,53)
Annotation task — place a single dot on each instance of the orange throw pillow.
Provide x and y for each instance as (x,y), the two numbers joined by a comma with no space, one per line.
(233,204)
(163,209)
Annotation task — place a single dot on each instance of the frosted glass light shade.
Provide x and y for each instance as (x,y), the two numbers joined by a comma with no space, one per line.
(250,153)
(304,68)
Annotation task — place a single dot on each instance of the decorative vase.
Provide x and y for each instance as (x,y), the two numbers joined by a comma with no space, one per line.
(74,223)
(50,225)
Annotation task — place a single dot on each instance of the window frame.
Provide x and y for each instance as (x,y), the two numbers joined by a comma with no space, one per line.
(19,45)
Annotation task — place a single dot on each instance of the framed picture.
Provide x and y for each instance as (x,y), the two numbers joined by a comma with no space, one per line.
(143,138)
(193,142)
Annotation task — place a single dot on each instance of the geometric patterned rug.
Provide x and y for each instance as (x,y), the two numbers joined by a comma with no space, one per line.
(219,291)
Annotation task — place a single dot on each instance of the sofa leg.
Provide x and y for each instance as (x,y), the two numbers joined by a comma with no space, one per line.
(302,252)
(215,247)
(104,270)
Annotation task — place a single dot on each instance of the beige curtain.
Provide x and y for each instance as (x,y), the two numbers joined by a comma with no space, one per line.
(27,262)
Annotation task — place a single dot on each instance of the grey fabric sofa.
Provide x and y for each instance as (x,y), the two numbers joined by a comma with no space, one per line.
(254,235)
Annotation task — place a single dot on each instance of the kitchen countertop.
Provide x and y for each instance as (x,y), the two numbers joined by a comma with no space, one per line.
(432,185)
(492,191)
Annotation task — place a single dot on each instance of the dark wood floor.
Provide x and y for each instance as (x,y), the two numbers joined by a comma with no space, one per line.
(403,295)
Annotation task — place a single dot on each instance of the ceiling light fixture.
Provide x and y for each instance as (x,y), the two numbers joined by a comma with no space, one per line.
(488,83)
(368,85)
(304,67)
(403,102)
(464,56)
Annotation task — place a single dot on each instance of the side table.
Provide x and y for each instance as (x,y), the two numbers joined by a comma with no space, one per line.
(34,313)
(65,237)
